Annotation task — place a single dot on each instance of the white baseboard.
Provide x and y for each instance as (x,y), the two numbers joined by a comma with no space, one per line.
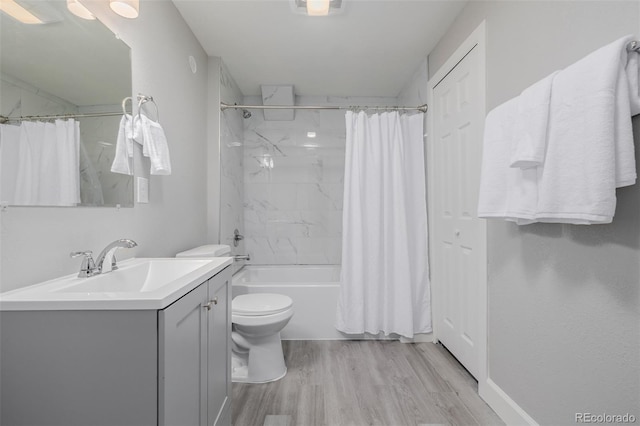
(505,407)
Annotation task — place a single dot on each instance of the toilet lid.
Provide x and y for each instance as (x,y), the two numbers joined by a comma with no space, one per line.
(260,304)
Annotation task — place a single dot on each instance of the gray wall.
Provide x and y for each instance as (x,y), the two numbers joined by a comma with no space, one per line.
(36,241)
(564,300)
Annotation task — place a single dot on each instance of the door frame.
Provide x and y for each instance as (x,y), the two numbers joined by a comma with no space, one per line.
(476,40)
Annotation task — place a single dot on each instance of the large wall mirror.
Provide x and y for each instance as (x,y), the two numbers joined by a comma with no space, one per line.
(71,67)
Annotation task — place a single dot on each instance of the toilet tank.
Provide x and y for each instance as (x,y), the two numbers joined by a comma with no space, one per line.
(210,250)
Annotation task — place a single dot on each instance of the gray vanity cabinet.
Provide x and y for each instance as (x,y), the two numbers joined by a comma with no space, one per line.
(194,357)
(167,367)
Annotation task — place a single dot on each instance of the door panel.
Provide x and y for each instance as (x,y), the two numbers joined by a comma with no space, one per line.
(457,155)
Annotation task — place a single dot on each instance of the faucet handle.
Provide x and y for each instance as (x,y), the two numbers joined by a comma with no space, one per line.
(88,266)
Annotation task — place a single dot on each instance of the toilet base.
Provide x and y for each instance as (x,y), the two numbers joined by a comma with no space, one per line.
(262,363)
(240,374)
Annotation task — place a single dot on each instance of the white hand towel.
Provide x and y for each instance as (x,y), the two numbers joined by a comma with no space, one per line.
(154,143)
(590,147)
(505,193)
(127,131)
(533,115)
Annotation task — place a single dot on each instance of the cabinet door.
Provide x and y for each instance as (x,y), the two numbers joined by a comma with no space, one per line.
(219,362)
(182,389)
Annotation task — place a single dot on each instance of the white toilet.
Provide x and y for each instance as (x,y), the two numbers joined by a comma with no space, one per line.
(257,321)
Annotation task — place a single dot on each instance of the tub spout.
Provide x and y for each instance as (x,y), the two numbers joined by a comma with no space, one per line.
(242,257)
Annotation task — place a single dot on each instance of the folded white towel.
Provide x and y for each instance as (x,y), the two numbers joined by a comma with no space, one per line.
(533,115)
(128,130)
(506,193)
(154,143)
(569,175)
(590,150)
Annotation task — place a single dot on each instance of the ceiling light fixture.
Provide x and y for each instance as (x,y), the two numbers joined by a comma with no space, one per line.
(125,8)
(79,10)
(19,13)
(317,7)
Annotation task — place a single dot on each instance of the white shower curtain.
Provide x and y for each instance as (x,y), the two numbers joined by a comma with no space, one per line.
(385,275)
(40,163)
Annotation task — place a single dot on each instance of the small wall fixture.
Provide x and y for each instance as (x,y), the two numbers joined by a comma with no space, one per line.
(125,8)
(79,10)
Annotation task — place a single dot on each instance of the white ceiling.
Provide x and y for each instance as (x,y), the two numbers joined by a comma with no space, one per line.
(371,49)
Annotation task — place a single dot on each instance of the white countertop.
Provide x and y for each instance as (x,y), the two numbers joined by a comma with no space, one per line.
(138,284)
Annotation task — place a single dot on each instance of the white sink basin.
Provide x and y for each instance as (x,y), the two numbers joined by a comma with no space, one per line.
(137,284)
(138,277)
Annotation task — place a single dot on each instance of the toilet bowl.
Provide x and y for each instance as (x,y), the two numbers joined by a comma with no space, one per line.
(257,320)
(257,350)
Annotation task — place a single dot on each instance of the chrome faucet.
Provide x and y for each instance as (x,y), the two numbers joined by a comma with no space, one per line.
(106,260)
(88,267)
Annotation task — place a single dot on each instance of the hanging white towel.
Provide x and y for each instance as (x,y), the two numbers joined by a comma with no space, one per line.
(128,131)
(570,172)
(533,115)
(505,192)
(590,150)
(632,70)
(154,145)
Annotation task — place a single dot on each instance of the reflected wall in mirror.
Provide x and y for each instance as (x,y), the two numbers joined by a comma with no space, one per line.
(64,66)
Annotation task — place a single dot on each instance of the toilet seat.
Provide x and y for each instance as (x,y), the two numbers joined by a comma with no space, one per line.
(258,320)
(260,304)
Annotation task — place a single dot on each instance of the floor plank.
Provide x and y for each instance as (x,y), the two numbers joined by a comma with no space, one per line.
(387,383)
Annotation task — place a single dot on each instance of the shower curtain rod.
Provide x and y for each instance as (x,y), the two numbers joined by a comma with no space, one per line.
(421,108)
(4,119)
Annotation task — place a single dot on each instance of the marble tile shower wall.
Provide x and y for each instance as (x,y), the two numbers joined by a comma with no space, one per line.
(231,165)
(294,183)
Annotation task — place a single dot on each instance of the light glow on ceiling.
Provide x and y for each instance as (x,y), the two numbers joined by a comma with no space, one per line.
(19,13)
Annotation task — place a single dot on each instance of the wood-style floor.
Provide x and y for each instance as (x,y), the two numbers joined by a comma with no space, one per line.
(364,383)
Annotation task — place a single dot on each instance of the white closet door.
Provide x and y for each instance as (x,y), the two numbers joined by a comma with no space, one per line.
(459,236)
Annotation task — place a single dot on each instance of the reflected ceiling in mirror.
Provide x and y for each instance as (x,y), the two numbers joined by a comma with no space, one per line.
(68,66)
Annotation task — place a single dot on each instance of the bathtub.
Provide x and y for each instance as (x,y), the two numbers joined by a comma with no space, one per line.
(313,289)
